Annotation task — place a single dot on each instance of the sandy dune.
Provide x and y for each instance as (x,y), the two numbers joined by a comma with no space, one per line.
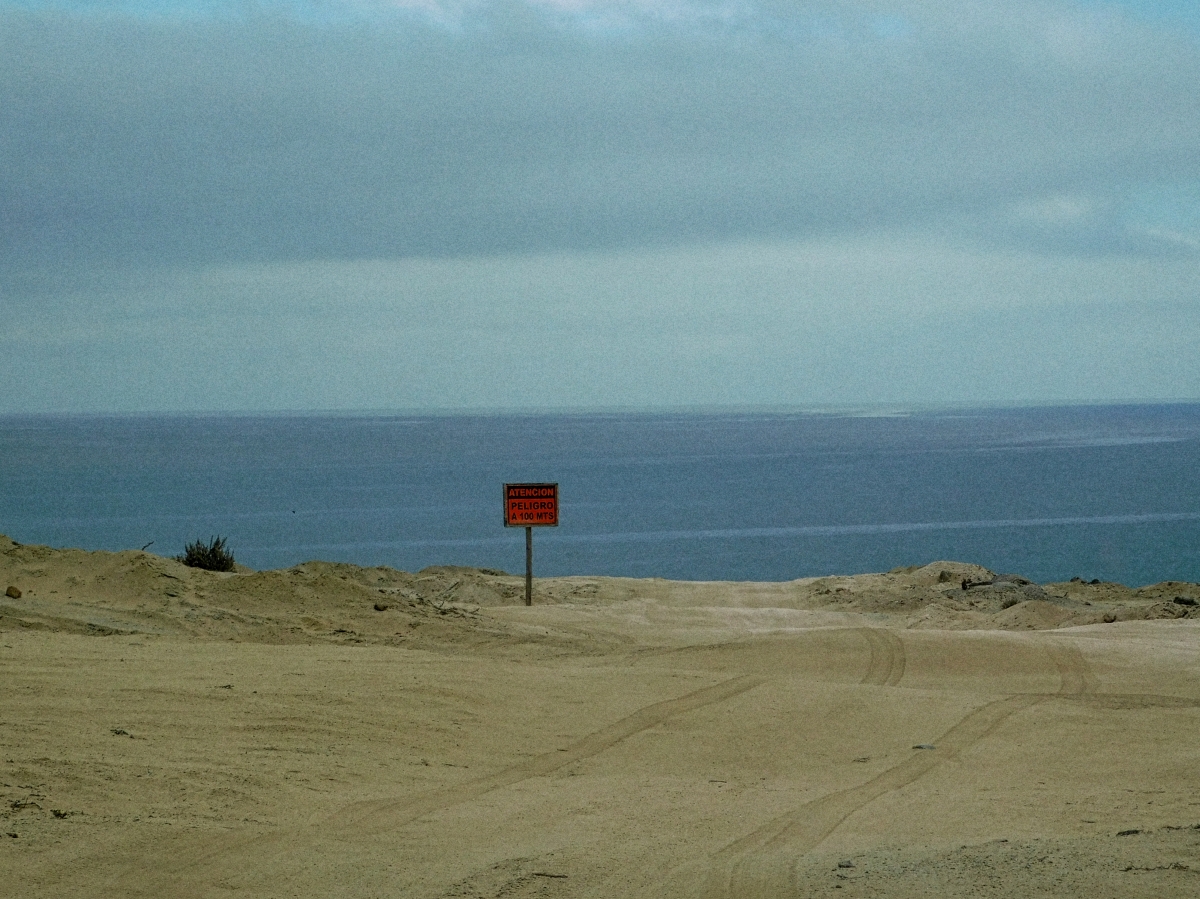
(330,730)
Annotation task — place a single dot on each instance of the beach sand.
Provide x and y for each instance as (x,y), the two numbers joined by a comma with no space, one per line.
(330,730)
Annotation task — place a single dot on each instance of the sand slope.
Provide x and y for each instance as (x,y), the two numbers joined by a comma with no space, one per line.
(168,731)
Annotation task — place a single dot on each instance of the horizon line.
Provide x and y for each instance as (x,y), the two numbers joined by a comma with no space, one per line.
(865,409)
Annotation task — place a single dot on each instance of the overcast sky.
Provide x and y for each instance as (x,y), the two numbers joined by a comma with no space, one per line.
(416,204)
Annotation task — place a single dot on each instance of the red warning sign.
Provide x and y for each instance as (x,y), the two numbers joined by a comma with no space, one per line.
(530,505)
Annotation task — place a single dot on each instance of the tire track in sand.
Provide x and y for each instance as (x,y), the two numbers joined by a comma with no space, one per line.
(761,865)
(887,657)
(233,858)
(371,816)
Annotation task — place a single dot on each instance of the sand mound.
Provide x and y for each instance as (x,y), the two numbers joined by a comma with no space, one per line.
(132,592)
(73,591)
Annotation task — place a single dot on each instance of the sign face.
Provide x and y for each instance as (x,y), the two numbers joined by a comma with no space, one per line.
(530,505)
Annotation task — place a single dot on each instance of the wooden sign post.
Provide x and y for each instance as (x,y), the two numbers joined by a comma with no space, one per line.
(530,506)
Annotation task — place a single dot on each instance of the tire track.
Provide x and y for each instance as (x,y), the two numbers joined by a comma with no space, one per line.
(1078,684)
(887,657)
(240,859)
(372,816)
(1128,701)
(762,863)
(1075,677)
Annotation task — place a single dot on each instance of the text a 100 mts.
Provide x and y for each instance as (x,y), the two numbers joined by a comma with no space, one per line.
(530,505)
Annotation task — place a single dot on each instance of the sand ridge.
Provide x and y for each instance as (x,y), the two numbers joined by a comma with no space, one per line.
(99,593)
(330,729)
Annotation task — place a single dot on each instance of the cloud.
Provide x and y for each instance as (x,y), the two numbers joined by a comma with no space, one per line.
(370,204)
(268,135)
(786,323)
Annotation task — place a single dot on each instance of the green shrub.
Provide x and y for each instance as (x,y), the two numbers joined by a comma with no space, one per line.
(211,556)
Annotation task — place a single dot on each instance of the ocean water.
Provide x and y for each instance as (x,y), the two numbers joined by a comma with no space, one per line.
(1109,492)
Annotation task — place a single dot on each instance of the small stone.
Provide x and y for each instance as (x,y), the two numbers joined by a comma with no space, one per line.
(381,607)
(846,864)
(1109,617)
(1184,601)
(924,746)
(1128,833)
(12,593)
